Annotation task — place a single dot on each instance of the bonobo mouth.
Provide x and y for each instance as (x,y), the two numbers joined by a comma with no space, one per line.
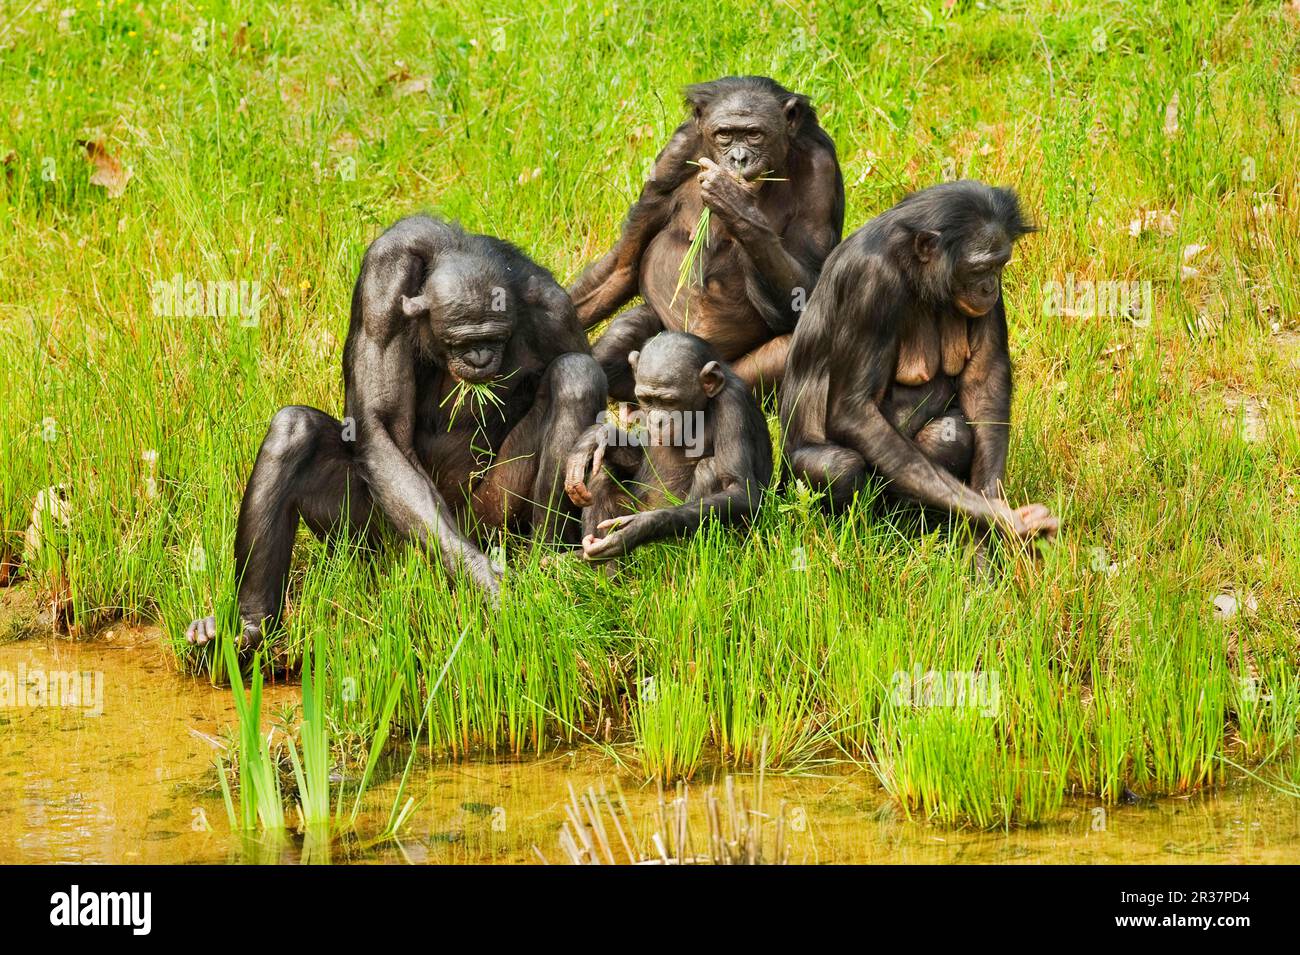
(474,376)
(974,308)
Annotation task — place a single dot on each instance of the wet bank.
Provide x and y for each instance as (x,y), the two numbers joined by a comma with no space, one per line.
(121,770)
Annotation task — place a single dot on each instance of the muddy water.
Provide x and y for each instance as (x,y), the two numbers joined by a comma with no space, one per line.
(125,775)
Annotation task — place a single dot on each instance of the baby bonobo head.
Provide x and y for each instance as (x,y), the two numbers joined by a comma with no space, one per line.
(677,374)
(747,122)
(471,312)
(960,237)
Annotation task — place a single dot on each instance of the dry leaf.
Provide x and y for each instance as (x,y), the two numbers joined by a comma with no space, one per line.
(1192,251)
(1153,219)
(109,173)
(410,88)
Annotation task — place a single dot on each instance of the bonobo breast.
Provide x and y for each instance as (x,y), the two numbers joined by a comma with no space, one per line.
(931,345)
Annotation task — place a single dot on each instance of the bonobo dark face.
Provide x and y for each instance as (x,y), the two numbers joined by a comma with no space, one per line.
(471,319)
(977,273)
(972,268)
(674,379)
(748,132)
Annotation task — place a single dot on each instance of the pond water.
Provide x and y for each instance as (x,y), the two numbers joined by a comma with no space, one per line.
(126,775)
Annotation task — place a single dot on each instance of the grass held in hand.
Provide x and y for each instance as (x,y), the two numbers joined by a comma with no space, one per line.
(693,260)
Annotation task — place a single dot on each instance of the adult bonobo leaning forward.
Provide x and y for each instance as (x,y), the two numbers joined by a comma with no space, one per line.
(900,364)
(767,240)
(435,311)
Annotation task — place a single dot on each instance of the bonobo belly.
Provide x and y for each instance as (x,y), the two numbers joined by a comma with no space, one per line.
(668,477)
(909,408)
(718,311)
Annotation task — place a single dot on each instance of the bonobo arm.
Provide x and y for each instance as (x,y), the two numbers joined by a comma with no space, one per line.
(742,464)
(781,263)
(611,281)
(984,392)
(860,425)
(381,396)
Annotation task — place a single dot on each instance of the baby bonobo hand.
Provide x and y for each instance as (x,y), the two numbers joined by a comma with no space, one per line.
(620,536)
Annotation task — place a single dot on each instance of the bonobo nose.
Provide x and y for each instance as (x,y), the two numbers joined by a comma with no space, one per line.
(478,357)
(738,157)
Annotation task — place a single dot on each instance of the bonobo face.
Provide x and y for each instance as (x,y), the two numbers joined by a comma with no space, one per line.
(674,382)
(471,317)
(475,343)
(748,133)
(977,272)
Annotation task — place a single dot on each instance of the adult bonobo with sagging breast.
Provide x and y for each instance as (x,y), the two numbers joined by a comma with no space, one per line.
(754,155)
(900,364)
(438,315)
(701,451)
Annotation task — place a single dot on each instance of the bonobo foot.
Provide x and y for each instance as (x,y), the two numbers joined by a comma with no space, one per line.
(204,629)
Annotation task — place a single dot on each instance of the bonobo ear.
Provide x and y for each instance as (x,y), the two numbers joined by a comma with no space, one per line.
(925,245)
(632,358)
(712,379)
(412,307)
(794,109)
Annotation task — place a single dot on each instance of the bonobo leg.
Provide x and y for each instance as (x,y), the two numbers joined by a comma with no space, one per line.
(837,471)
(626,333)
(524,488)
(946,440)
(763,367)
(306,470)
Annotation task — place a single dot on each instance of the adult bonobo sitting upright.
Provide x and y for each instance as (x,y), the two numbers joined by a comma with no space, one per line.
(435,312)
(767,241)
(900,364)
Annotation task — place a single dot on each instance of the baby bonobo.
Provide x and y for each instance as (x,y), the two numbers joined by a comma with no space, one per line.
(701,449)
(900,365)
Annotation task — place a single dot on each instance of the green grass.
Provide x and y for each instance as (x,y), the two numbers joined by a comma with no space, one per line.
(274,154)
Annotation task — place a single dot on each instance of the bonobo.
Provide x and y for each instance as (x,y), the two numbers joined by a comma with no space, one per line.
(467,379)
(703,451)
(900,364)
(754,155)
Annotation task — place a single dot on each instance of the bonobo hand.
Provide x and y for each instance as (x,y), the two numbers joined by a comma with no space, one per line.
(487,577)
(586,459)
(729,196)
(1028,522)
(621,536)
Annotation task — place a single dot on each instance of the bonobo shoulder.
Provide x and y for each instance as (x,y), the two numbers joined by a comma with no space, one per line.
(419,234)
